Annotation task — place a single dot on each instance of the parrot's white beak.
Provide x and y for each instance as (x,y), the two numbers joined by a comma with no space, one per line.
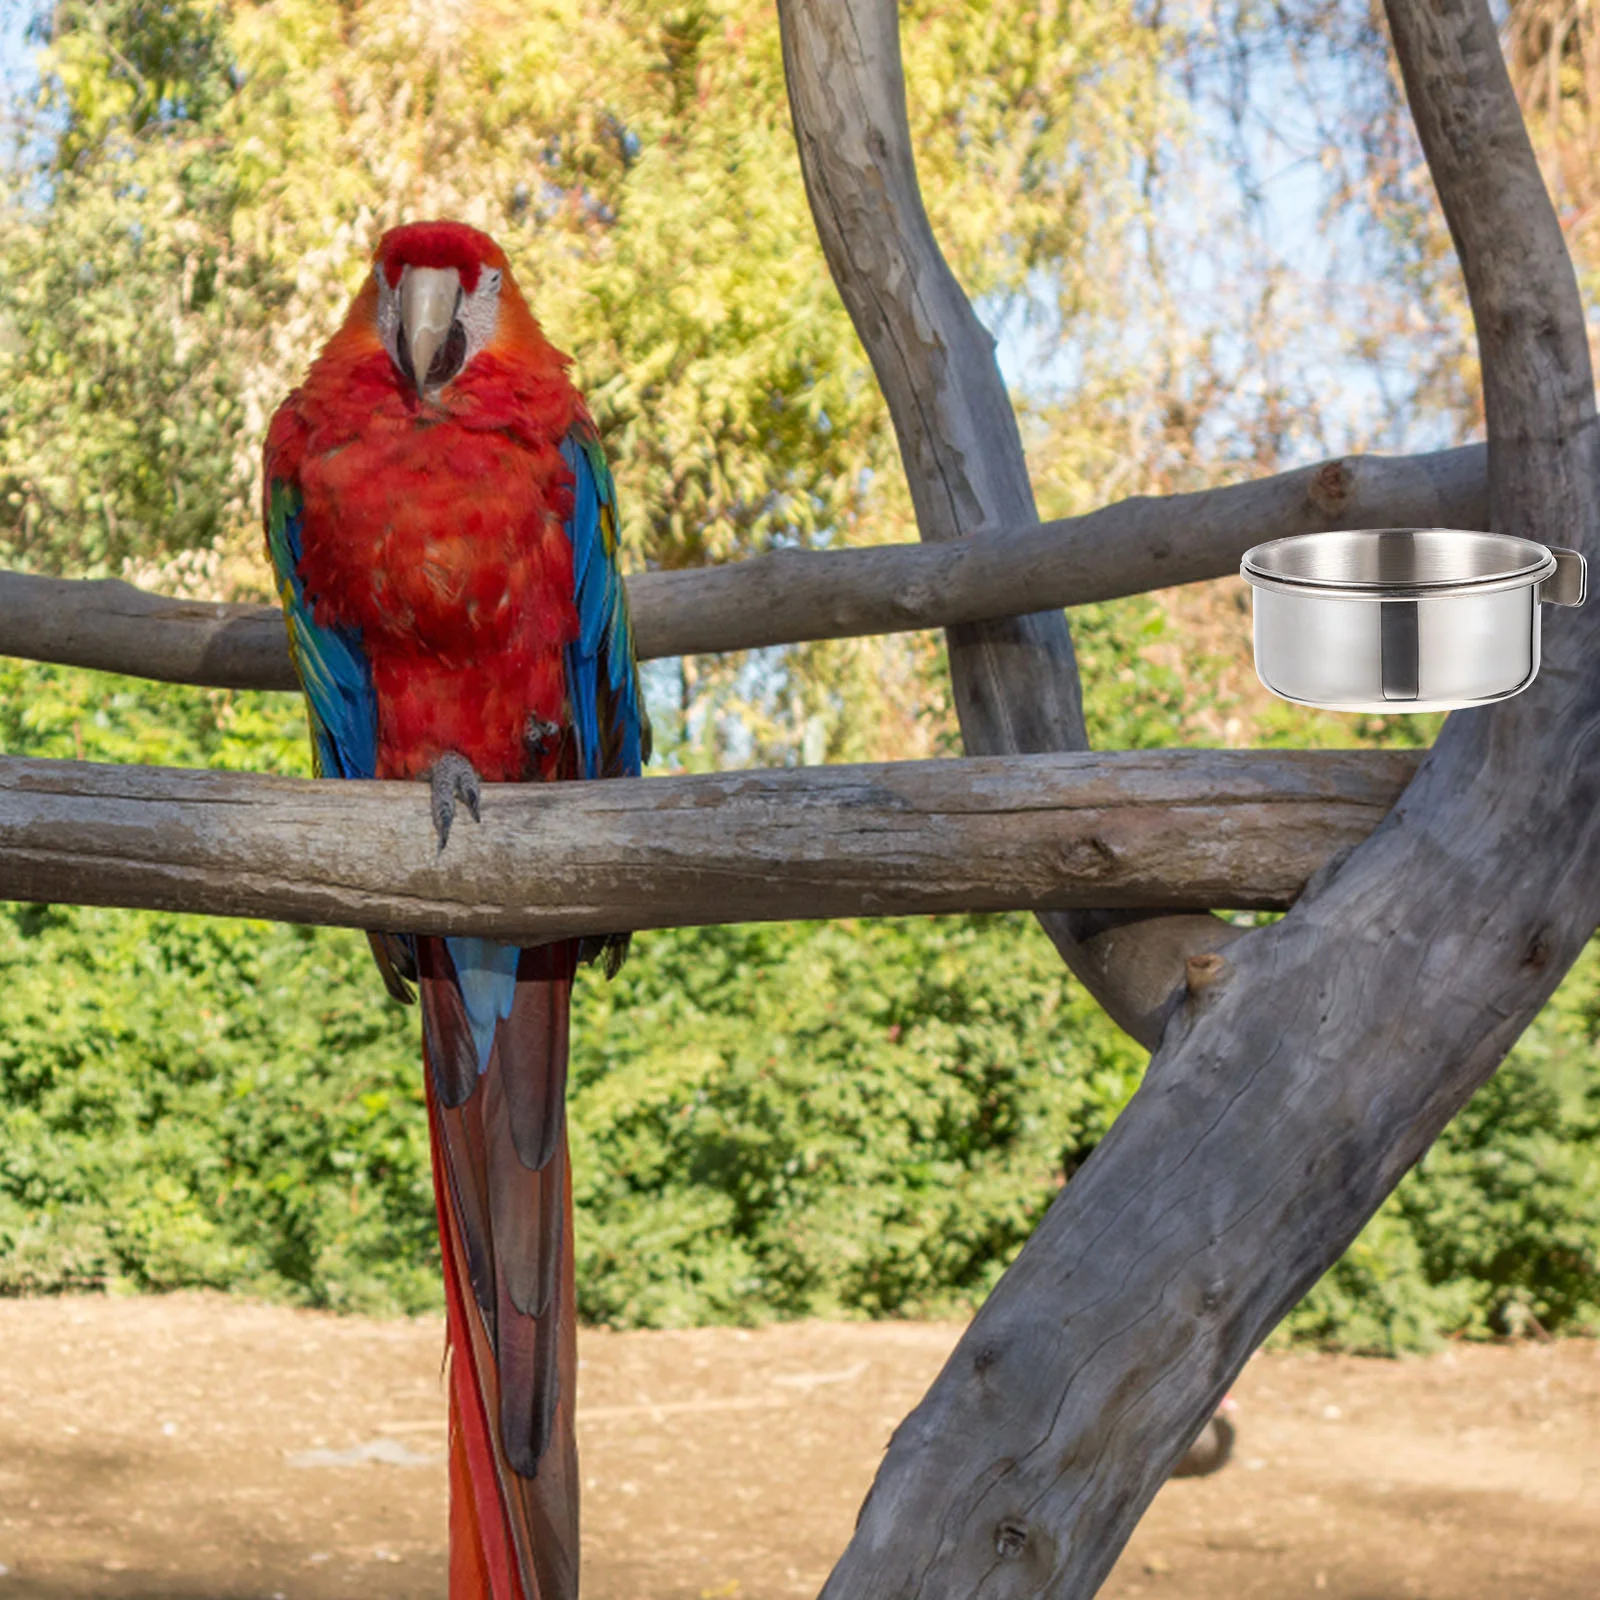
(432,340)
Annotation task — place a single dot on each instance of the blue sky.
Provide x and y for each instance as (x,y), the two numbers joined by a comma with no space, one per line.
(13,49)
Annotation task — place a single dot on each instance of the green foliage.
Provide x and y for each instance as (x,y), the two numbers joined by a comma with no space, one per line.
(852,1118)
(187,1102)
(123,307)
(194,1101)
(811,1120)
(1132,699)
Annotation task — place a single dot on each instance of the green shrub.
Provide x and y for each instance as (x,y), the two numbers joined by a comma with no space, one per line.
(185,1102)
(844,1118)
(794,1119)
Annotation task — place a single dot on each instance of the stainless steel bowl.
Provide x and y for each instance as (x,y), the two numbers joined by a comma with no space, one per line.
(1404,619)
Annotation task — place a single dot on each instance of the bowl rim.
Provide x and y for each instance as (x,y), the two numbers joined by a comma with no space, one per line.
(1538,565)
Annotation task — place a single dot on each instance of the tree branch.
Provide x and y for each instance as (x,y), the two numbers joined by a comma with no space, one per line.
(1015,678)
(1197,827)
(1127,548)
(1292,1092)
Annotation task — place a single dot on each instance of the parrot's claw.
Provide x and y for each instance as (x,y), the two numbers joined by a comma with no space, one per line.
(454,778)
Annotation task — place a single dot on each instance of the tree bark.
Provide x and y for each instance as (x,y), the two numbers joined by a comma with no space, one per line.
(793,595)
(549,860)
(1314,1064)
(1143,543)
(1015,679)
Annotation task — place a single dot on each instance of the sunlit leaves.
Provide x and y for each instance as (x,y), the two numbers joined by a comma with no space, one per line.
(215,175)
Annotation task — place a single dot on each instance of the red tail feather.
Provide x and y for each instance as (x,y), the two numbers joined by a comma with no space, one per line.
(513,1534)
(469,1569)
(483,1560)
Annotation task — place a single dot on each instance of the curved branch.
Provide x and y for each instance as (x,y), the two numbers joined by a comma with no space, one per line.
(1135,545)
(1295,1087)
(1015,679)
(552,860)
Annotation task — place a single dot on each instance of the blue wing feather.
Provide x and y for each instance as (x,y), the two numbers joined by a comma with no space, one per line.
(332,668)
(602,680)
(341,703)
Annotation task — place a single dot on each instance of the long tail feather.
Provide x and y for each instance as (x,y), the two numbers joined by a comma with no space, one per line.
(504,1194)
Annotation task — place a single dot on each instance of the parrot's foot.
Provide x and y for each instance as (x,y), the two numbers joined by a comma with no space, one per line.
(454,778)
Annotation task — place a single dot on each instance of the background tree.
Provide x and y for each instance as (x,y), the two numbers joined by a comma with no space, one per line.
(190,197)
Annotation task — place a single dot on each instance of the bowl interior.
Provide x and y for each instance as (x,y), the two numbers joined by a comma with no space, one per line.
(1388,558)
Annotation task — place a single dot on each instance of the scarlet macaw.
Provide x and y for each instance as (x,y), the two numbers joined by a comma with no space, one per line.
(443,529)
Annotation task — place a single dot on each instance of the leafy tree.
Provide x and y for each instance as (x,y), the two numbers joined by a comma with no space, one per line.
(197,187)
(771,1121)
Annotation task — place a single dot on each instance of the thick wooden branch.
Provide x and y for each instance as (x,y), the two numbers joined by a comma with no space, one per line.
(112,626)
(1306,1072)
(1015,678)
(1196,827)
(794,595)
(1135,545)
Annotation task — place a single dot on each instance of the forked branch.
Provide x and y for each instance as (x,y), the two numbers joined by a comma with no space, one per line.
(1293,1091)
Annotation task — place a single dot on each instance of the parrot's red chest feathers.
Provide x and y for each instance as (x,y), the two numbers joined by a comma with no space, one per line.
(433,523)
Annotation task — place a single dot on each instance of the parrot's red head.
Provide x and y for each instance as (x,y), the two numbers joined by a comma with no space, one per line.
(440,294)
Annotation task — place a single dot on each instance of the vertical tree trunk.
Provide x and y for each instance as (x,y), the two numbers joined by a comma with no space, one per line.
(1304,1073)
(1015,680)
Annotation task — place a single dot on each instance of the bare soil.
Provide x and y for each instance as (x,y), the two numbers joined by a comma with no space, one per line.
(199,1448)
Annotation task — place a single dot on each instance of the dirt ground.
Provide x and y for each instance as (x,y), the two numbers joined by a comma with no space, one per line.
(196,1448)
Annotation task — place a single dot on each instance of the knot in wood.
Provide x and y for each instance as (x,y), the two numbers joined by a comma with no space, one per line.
(1010,1538)
(914,599)
(1090,857)
(1202,971)
(986,1356)
(1331,486)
